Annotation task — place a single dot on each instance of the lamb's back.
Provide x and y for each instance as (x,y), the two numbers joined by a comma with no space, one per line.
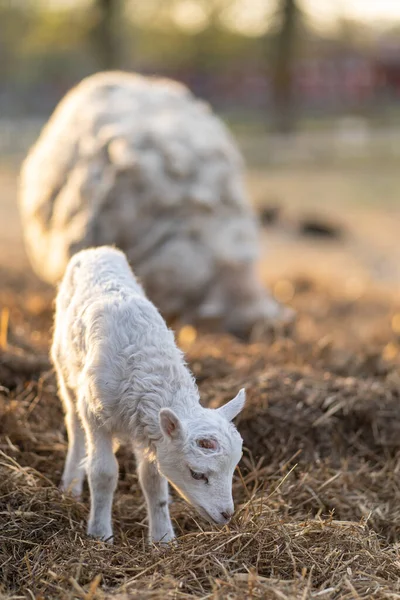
(119,348)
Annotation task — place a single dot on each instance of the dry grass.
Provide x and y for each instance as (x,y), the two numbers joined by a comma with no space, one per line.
(317,494)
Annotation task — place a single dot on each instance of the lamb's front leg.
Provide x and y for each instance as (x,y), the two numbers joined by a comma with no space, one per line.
(102,471)
(155,490)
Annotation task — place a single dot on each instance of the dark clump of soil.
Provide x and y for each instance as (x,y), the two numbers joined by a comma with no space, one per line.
(317,493)
(320,228)
(270,214)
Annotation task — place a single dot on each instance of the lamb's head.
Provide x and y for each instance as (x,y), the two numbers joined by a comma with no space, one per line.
(198,455)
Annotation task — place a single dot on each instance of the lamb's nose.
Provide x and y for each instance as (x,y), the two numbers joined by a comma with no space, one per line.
(226,515)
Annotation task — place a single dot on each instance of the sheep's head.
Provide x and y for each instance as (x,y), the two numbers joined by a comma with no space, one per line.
(198,456)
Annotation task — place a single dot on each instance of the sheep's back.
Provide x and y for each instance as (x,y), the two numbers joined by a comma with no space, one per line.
(140,163)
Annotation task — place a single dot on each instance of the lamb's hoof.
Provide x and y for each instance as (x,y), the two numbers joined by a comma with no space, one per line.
(164,546)
(100,534)
(164,543)
(71,490)
(102,538)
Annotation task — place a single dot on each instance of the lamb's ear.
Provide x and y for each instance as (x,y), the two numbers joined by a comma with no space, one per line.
(232,408)
(170,423)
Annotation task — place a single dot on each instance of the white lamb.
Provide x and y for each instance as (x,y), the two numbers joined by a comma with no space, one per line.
(121,376)
(140,163)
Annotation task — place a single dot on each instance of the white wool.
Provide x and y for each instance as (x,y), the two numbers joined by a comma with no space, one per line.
(121,376)
(140,163)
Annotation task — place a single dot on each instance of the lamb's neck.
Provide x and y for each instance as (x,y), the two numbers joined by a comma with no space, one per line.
(186,405)
(145,424)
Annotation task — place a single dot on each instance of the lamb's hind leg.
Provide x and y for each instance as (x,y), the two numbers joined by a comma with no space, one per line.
(155,490)
(74,469)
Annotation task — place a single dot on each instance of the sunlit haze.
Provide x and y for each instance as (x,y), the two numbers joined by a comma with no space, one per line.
(326,11)
(252,16)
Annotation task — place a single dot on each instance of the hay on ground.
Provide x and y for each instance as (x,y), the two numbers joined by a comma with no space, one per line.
(317,493)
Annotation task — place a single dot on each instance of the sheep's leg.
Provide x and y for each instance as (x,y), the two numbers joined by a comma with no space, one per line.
(249,305)
(102,470)
(155,490)
(74,469)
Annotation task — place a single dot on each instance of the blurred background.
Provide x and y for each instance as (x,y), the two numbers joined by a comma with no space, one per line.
(310,89)
(282,63)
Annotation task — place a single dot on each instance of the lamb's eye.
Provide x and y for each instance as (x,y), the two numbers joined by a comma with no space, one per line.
(198,476)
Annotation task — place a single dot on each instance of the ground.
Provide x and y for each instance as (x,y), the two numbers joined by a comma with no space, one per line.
(317,493)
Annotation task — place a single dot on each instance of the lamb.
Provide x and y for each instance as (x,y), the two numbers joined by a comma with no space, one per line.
(141,164)
(122,377)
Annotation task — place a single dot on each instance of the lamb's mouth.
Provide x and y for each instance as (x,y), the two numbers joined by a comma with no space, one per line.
(202,511)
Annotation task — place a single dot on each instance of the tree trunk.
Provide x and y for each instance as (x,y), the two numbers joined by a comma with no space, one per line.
(106,34)
(283,67)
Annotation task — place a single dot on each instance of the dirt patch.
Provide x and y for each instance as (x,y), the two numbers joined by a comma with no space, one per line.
(317,494)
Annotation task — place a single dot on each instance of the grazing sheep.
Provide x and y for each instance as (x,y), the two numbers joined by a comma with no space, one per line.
(140,163)
(121,376)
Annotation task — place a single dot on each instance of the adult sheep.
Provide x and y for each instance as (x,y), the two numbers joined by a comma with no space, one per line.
(140,163)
